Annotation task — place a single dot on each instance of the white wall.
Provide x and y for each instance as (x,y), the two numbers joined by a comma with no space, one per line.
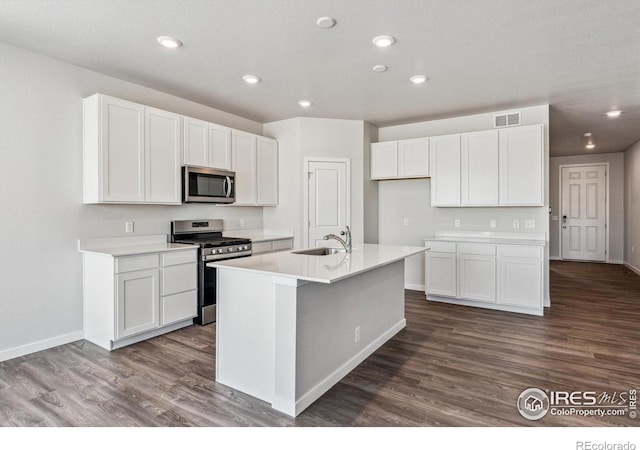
(616,200)
(632,197)
(41,213)
(304,137)
(411,199)
(370,188)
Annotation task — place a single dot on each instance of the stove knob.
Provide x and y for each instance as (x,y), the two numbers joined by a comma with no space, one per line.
(219,250)
(230,249)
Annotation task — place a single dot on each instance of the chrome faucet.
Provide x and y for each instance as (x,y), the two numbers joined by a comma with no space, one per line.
(346,242)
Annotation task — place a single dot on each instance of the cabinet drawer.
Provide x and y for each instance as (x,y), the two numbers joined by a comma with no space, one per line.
(477,249)
(521,251)
(179,278)
(441,247)
(181,257)
(179,307)
(283,244)
(140,262)
(260,247)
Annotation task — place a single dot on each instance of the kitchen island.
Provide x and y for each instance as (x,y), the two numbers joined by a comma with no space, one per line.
(291,325)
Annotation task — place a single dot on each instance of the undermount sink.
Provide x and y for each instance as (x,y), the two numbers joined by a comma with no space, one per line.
(322,251)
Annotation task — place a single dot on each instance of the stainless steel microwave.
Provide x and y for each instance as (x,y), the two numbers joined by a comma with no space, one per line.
(204,185)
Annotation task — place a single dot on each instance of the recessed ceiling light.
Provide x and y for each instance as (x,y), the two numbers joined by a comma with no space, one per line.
(304,103)
(251,79)
(169,42)
(590,146)
(383,41)
(418,79)
(326,22)
(587,135)
(380,68)
(615,113)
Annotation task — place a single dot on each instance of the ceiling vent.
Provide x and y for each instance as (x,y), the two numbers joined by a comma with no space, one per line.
(506,120)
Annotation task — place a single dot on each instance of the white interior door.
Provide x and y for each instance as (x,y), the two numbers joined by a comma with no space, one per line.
(328,200)
(584,213)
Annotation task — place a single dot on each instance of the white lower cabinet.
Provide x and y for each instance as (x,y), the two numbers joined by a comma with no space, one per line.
(477,277)
(441,274)
(507,277)
(131,298)
(520,276)
(137,302)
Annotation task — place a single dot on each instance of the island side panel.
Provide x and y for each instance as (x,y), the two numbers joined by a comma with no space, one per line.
(327,316)
(245,331)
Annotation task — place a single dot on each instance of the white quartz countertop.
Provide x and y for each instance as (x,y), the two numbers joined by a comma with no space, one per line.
(134,245)
(258,235)
(487,240)
(321,269)
(490,237)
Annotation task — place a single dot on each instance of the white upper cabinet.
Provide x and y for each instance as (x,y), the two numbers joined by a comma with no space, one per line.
(196,142)
(522,166)
(122,142)
(267,182)
(408,158)
(479,168)
(219,147)
(131,153)
(384,160)
(244,164)
(413,158)
(206,144)
(162,156)
(445,170)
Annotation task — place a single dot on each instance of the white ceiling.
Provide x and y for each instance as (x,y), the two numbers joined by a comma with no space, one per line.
(580,56)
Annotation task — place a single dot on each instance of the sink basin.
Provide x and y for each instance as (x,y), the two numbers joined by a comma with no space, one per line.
(320,251)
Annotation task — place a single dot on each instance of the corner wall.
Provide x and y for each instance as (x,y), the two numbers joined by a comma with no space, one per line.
(305,137)
(632,200)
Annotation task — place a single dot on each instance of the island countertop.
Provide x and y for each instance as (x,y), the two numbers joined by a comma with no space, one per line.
(321,269)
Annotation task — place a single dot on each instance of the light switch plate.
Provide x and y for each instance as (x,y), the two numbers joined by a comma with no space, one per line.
(406,221)
(128,227)
(456,223)
(492,224)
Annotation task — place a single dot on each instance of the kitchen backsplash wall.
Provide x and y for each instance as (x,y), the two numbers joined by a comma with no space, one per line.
(41,213)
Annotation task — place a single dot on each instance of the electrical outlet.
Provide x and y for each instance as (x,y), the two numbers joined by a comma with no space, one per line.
(356,336)
(456,223)
(516,224)
(529,223)
(128,227)
(492,224)
(406,221)
(241,223)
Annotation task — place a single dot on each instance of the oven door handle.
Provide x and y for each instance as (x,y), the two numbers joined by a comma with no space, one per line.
(227,186)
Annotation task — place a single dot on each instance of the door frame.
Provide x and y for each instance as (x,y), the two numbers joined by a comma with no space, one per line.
(606,201)
(305,175)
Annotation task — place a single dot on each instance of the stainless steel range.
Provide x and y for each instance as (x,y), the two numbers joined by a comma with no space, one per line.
(207,234)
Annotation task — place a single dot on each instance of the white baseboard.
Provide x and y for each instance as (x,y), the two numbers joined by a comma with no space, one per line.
(555,258)
(633,268)
(316,392)
(414,287)
(40,345)
(615,261)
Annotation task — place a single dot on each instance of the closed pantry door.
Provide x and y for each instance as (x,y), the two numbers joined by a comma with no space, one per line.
(583,218)
(328,200)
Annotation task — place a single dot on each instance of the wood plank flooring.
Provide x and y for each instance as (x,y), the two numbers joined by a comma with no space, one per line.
(451,366)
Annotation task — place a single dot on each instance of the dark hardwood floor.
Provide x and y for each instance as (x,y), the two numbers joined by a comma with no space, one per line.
(451,366)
